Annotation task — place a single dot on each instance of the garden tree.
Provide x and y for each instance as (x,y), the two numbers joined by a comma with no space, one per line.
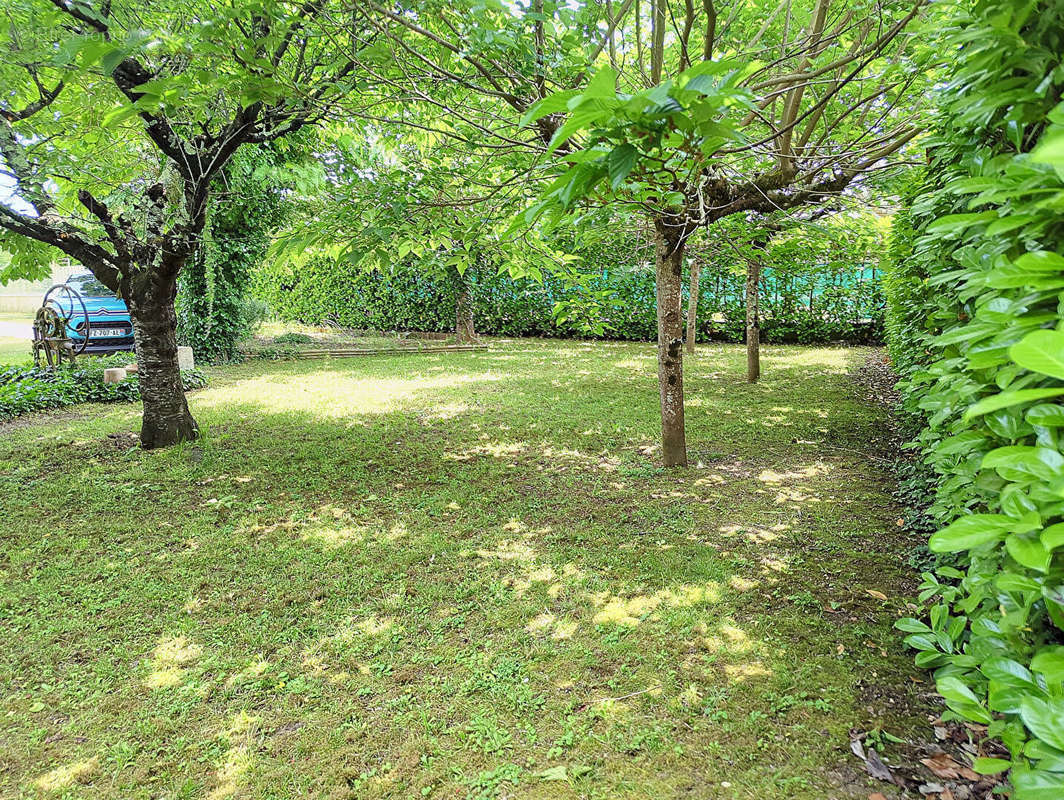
(694,290)
(689,114)
(828,248)
(115,124)
(762,230)
(753,312)
(419,200)
(248,203)
(697,251)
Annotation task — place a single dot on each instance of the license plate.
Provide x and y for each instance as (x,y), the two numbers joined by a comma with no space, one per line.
(106,333)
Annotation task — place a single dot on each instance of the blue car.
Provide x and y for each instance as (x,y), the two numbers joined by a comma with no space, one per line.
(110,329)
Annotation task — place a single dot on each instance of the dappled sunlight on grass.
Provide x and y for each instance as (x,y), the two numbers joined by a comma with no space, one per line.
(68,775)
(494,450)
(169,661)
(634,609)
(239,757)
(399,578)
(336,393)
(749,670)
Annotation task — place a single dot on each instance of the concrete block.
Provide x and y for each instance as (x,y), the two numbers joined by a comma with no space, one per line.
(184,358)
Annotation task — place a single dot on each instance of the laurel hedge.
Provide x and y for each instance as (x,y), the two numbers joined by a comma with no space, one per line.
(844,307)
(975,323)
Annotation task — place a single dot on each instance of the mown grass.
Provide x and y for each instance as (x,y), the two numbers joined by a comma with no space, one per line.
(276,336)
(14,350)
(456,576)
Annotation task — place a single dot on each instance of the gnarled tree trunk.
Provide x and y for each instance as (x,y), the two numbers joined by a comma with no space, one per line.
(669,282)
(692,305)
(166,419)
(753,322)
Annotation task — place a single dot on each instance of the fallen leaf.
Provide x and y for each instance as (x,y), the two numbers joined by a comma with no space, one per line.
(877,796)
(877,769)
(858,749)
(942,765)
(875,594)
(558,773)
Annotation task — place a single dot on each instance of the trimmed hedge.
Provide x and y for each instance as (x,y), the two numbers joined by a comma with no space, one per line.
(25,388)
(976,328)
(406,298)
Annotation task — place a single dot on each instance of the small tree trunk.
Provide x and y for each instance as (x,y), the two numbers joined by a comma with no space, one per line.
(463,311)
(692,306)
(753,322)
(669,280)
(166,420)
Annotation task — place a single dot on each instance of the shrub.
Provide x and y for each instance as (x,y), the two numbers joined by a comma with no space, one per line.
(973,324)
(293,338)
(406,298)
(25,388)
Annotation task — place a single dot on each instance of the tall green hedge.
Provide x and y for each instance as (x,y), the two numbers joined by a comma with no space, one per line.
(845,307)
(974,322)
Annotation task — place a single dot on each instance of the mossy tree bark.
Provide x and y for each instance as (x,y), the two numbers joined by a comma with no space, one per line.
(166,419)
(753,321)
(669,280)
(692,305)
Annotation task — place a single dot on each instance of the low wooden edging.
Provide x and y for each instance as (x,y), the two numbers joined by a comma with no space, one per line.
(387,351)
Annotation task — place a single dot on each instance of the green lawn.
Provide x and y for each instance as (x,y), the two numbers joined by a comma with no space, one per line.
(274,335)
(14,351)
(456,576)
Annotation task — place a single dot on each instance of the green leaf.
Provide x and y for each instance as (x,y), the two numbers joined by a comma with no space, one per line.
(1048,415)
(1045,719)
(1041,351)
(1049,661)
(1036,784)
(1028,550)
(557,773)
(991,766)
(551,104)
(1006,399)
(620,163)
(954,223)
(971,531)
(1050,148)
(602,84)
(1008,672)
(1000,226)
(911,625)
(1040,261)
(962,700)
(118,115)
(109,63)
(1053,536)
(1019,462)
(576,123)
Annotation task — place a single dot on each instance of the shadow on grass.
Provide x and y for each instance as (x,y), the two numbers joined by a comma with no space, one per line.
(372,583)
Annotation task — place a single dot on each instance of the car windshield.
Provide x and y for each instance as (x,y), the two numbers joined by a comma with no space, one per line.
(88,286)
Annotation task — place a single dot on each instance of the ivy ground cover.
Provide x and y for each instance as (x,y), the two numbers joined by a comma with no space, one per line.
(456,576)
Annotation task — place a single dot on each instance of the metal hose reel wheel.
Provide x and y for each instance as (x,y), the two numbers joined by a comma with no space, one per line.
(65,292)
(58,309)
